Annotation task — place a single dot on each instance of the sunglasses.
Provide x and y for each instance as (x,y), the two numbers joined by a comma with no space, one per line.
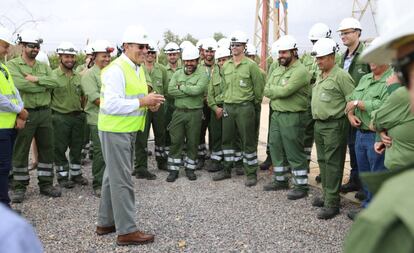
(401,67)
(236,45)
(33,46)
(152,52)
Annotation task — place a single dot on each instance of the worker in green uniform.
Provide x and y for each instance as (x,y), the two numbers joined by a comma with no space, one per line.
(81,69)
(243,90)
(367,97)
(331,126)
(187,87)
(172,51)
(288,90)
(215,102)
(34,81)
(91,86)
(386,225)
(350,30)
(68,119)
(158,76)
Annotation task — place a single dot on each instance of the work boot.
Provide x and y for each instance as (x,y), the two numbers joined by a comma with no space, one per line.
(318,202)
(65,183)
(51,191)
(360,195)
(275,186)
(252,181)
(239,171)
(266,164)
(353,214)
(162,166)
(327,213)
(80,180)
(17,196)
(200,164)
(105,230)
(221,175)
(145,174)
(172,176)
(295,194)
(318,179)
(97,192)
(190,175)
(351,186)
(134,238)
(215,166)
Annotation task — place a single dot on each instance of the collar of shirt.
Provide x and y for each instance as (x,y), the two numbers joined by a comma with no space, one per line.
(383,78)
(135,66)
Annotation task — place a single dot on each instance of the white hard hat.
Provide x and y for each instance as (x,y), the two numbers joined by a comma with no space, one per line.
(395,23)
(102,46)
(274,50)
(43,58)
(190,53)
(349,23)
(199,43)
(66,48)
(222,52)
(324,46)
(318,31)
(171,47)
(88,49)
(29,36)
(185,44)
(152,46)
(238,37)
(287,42)
(135,34)
(6,35)
(209,44)
(251,49)
(224,42)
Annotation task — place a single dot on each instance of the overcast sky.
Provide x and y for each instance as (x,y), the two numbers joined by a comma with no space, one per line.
(79,20)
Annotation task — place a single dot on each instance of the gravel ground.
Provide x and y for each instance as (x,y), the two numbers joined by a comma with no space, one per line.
(190,216)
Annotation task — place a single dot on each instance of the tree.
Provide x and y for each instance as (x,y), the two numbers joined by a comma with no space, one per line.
(218,35)
(190,38)
(169,36)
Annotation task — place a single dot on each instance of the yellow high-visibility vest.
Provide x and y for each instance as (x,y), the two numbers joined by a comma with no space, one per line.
(7,89)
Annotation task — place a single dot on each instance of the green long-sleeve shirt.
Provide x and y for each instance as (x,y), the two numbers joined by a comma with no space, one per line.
(395,117)
(159,79)
(215,89)
(329,94)
(242,83)
(188,90)
(66,98)
(91,86)
(33,94)
(170,73)
(288,88)
(372,93)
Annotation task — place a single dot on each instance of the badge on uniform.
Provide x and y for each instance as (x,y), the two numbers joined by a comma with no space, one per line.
(361,71)
(284,82)
(242,84)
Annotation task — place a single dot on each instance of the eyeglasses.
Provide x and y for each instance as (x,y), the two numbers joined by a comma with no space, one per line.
(346,33)
(401,67)
(236,45)
(33,46)
(152,52)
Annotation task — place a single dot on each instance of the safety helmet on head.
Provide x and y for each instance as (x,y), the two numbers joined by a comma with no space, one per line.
(135,34)
(185,44)
(222,52)
(251,49)
(102,46)
(66,48)
(238,37)
(6,35)
(190,53)
(152,46)
(287,42)
(324,46)
(199,43)
(209,44)
(224,42)
(349,23)
(319,31)
(88,49)
(171,48)
(29,36)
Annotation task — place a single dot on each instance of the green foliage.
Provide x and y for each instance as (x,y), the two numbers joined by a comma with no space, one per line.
(190,38)
(217,36)
(54,60)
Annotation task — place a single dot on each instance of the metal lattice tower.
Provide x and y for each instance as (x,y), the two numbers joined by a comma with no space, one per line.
(269,12)
(360,7)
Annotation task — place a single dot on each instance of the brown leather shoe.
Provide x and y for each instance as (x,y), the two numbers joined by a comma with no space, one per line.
(105,230)
(134,238)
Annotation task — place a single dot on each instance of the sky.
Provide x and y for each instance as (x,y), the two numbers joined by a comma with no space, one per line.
(79,20)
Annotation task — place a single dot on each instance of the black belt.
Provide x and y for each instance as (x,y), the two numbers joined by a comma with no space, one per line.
(242,103)
(74,113)
(39,108)
(330,120)
(187,109)
(366,131)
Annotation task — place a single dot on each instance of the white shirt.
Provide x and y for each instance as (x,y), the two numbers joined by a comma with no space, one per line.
(115,101)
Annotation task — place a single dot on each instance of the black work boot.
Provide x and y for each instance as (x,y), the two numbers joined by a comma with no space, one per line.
(200,164)
(276,186)
(221,175)
(162,165)
(295,194)
(251,181)
(318,202)
(266,164)
(239,171)
(51,191)
(327,213)
(172,176)
(145,174)
(80,180)
(318,179)
(360,195)
(215,166)
(352,186)
(65,183)
(353,214)
(17,196)
(190,175)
